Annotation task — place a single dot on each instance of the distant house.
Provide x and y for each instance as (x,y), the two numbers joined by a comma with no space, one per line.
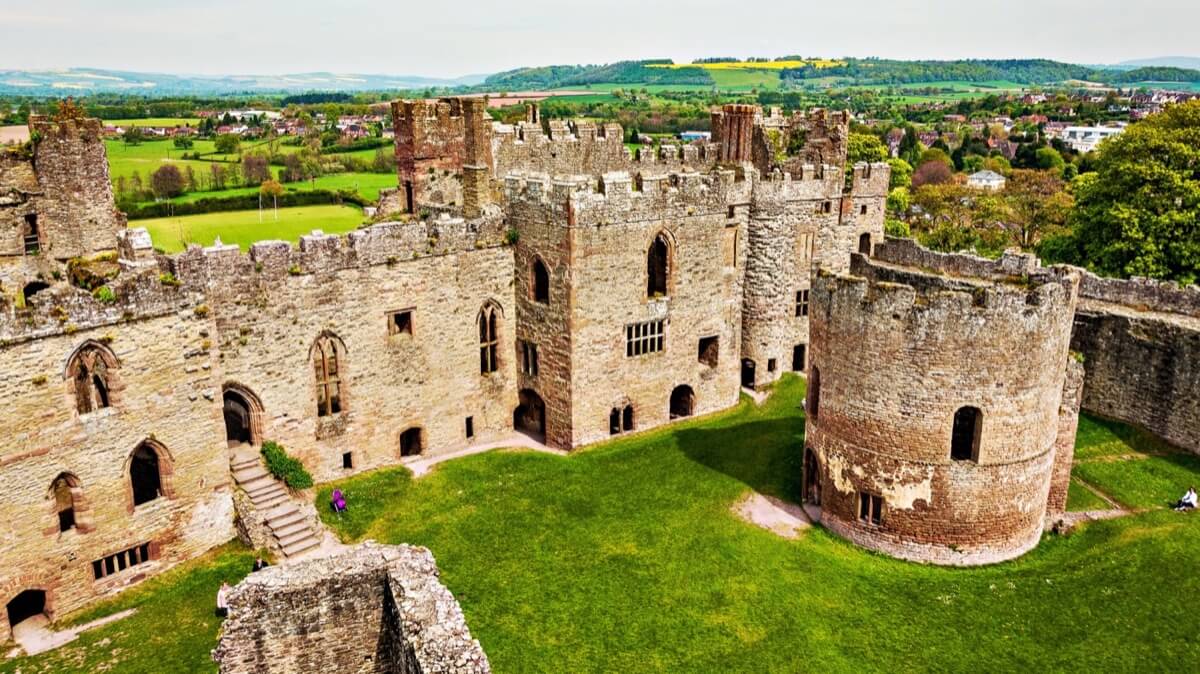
(986,180)
(1086,138)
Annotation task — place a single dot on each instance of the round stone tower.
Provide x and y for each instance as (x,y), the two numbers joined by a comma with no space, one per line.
(934,404)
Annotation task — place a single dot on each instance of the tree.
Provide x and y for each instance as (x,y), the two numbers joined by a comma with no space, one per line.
(935,154)
(932,173)
(227,143)
(902,173)
(271,188)
(183,142)
(1049,158)
(166,181)
(255,169)
(1038,204)
(865,147)
(910,147)
(133,135)
(218,176)
(1139,214)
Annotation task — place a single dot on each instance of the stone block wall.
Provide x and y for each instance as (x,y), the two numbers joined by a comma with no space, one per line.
(1140,341)
(164,391)
(374,608)
(896,352)
(1064,443)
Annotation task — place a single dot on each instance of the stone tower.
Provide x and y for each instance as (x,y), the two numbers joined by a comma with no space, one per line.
(936,402)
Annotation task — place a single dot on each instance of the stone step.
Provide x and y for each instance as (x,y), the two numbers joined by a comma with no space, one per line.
(300,546)
(264,488)
(250,479)
(242,460)
(285,530)
(285,510)
(270,501)
(294,537)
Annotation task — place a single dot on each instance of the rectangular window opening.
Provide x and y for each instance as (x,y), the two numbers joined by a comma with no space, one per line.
(870,508)
(400,322)
(709,350)
(643,338)
(799,353)
(120,561)
(801,303)
(470,424)
(348,460)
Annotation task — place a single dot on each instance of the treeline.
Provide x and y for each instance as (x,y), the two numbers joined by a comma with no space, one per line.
(624,72)
(242,202)
(1023,71)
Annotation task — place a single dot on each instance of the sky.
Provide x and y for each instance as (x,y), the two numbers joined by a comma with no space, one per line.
(450,38)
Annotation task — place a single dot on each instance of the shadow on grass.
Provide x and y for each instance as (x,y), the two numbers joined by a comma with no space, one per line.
(765,454)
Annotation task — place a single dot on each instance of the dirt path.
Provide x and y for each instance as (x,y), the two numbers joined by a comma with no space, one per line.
(775,515)
(34,636)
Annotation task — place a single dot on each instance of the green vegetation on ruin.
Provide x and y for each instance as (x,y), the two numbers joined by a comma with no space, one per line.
(244,228)
(625,557)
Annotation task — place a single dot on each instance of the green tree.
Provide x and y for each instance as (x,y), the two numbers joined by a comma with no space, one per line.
(935,154)
(227,143)
(1049,158)
(183,143)
(1139,213)
(865,147)
(133,135)
(902,172)
(166,181)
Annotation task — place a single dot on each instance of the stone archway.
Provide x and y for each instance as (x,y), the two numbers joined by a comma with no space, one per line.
(683,402)
(28,604)
(243,414)
(530,415)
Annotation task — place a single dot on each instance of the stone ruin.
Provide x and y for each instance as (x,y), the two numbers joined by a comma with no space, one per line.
(378,609)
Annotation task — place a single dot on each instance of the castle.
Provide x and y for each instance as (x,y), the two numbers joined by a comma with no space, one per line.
(541,278)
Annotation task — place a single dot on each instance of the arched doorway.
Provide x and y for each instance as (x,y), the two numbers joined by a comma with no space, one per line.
(26,605)
(864,243)
(812,478)
(747,373)
(683,401)
(243,415)
(410,442)
(530,415)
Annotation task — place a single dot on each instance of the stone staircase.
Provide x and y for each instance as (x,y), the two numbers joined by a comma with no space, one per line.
(292,532)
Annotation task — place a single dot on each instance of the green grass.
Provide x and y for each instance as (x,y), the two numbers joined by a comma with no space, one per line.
(173,630)
(745,80)
(366,184)
(125,160)
(155,121)
(243,227)
(625,557)
(1152,482)
(1080,498)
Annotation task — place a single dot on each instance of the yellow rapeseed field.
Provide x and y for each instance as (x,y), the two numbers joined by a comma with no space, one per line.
(752,65)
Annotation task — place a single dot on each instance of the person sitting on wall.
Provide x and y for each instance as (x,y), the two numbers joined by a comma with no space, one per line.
(223,600)
(337,501)
(260,563)
(1188,502)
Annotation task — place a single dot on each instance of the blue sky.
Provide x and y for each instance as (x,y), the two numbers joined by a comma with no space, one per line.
(457,37)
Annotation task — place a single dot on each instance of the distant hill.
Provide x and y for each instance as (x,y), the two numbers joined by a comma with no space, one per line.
(92,80)
(1190,62)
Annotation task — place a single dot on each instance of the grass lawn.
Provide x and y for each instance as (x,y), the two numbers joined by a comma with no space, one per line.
(125,160)
(366,184)
(1080,498)
(243,227)
(173,630)
(624,557)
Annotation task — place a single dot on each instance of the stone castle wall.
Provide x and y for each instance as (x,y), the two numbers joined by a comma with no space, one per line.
(1141,346)
(882,427)
(165,390)
(371,609)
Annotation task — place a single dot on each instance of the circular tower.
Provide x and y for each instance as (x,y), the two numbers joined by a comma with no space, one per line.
(933,405)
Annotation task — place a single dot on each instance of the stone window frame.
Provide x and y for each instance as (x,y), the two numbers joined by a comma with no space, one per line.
(812,406)
(328,348)
(488,326)
(528,352)
(166,472)
(645,338)
(88,361)
(134,556)
(802,303)
(81,509)
(253,404)
(621,418)
(539,284)
(704,345)
(972,456)
(400,322)
(871,508)
(653,290)
(31,235)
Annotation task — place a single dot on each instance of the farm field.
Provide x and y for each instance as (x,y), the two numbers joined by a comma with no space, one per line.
(625,557)
(244,228)
(366,184)
(155,121)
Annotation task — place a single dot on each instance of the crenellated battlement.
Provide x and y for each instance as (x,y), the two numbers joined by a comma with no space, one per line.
(81,128)
(620,196)
(870,180)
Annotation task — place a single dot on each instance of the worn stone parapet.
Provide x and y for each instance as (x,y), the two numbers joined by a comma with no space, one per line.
(621,197)
(870,180)
(1142,294)
(373,608)
(909,253)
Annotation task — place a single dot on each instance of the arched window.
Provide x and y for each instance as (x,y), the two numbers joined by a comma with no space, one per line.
(657,267)
(90,369)
(145,474)
(964,437)
(627,418)
(327,354)
(614,421)
(64,491)
(814,392)
(489,340)
(864,243)
(539,282)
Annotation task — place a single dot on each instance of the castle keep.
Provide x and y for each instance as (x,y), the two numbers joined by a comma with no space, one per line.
(539,278)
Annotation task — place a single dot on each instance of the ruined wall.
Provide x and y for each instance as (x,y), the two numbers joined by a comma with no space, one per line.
(1064,442)
(607,235)
(575,148)
(272,304)
(896,351)
(164,385)
(431,148)
(374,608)
(1141,346)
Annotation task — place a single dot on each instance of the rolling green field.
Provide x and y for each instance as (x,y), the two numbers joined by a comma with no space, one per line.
(625,557)
(244,228)
(366,184)
(155,121)
(125,160)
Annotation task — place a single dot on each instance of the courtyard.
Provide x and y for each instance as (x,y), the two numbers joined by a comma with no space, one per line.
(626,556)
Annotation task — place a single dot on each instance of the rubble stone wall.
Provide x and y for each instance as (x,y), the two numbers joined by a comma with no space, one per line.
(372,609)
